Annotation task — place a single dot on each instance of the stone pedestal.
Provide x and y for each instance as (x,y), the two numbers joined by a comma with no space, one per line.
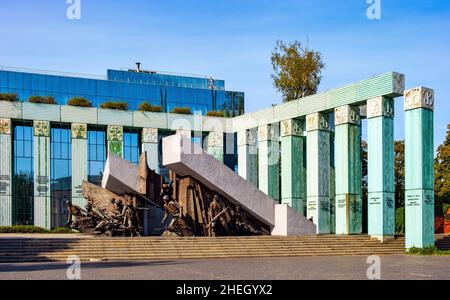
(247,155)
(115,140)
(318,171)
(348,170)
(79,162)
(381,198)
(215,145)
(5,173)
(419,167)
(41,151)
(150,145)
(293,165)
(268,160)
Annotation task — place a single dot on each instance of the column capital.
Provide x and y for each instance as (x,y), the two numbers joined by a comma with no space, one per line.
(115,133)
(79,131)
(215,139)
(380,107)
(247,137)
(5,126)
(268,132)
(150,135)
(41,128)
(292,127)
(317,121)
(419,97)
(346,114)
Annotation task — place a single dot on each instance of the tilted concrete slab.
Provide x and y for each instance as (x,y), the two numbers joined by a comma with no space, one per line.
(186,158)
(120,176)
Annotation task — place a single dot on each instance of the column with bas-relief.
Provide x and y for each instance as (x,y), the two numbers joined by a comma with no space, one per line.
(79,162)
(348,170)
(419,167)
(247,155)
(381,197)
(318,170)
(5,172)
(293,165)
(41,165)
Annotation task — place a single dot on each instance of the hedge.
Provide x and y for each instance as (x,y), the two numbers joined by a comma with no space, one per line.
(182,110)
(42,99)
(145,106)
(79,101)
(120,105)
(9,97)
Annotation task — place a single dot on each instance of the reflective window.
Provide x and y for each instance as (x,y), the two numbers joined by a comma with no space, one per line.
(23,187)
(96,154)
(158,89)
(60,172)
(131,148)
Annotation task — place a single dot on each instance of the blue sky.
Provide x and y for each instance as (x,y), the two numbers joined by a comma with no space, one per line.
(233,40)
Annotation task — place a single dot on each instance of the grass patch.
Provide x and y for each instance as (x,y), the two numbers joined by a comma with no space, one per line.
(32,229)
(430,250)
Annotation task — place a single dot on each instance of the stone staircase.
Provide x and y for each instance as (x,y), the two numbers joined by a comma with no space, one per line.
(32,249)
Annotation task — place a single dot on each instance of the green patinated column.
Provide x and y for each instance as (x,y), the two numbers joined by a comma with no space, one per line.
(293,165)
(318,171)
(79,162)
(42,207)
(419,168)
(348,169)
(215,145)
(332,185)
(115,140)
(268,160)
(5,173)
(381,198)
(150,145)
(247,155)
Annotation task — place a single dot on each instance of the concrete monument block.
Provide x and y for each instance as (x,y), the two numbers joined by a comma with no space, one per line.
(218,177)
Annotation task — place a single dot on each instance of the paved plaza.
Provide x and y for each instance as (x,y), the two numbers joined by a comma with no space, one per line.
(329,267)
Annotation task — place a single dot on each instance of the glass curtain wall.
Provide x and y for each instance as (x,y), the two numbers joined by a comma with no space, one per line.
(60,173)
(96,153)
(131,142)
(23,183)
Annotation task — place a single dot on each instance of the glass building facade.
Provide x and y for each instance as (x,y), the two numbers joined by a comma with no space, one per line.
(200,94)
(131,148)
(96,153)
(23,184)
(60,172)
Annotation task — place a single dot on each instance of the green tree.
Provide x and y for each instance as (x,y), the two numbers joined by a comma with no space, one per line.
(399,173)
(442,174)
(297,70)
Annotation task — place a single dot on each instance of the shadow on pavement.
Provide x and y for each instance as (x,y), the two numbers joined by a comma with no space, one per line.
(26,267)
